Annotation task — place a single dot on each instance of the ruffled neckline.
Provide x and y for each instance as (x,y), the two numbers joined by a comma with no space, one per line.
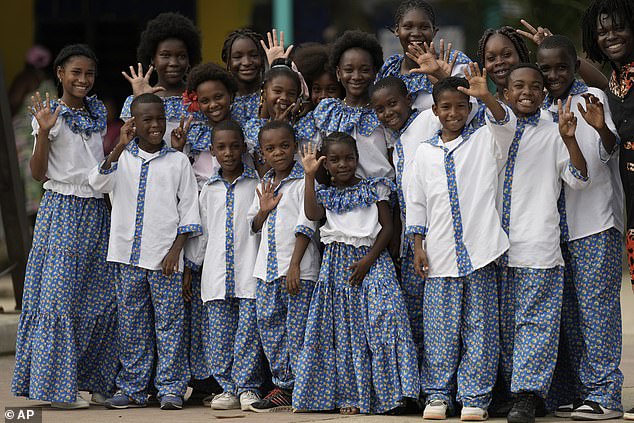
(333,115)
(174,109)
(199,136)
(361,195)
(245,107)
(91,120)
(305,128)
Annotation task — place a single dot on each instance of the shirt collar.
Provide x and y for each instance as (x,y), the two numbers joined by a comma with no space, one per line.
(530,119)
(133,148)
(576,88)
(247,172)
(437,141)
(296,173)
(409,121)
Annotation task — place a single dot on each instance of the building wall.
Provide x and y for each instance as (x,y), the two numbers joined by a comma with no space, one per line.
(16,35)
(216,19)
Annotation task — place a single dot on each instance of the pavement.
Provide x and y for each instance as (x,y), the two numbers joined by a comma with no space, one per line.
(196,414)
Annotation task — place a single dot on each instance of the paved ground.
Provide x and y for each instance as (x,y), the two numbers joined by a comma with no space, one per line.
(201,414)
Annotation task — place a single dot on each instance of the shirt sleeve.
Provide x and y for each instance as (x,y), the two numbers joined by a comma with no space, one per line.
(253,211)
(303,225)
(52,133)
(196,247)
(416,200)
(103,180)
(189,215)
(605,155)
(502,132)
(570,175)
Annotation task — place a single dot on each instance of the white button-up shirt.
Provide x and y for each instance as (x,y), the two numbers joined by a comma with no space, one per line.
(280,229)
(451,201)
(226,249)
(154,199)
(600,206)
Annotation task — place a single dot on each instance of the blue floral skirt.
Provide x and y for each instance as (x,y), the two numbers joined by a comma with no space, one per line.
(196,331)
(358,349)
(67,332)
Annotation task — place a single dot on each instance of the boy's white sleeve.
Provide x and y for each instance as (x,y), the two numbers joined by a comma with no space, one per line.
(503,130)
(189,216)
(416,198)
(196,247)
(605,155)
(303,225)
(253,211)
(570,175)
(103,180)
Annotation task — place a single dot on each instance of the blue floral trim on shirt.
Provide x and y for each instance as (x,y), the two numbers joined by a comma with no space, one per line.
(174,108)
(361,195)
(415,82)
(304,230)
(305,128)
(333,115)
(400,162)
(416,230)
(252,128)
(89,121)
(577,173)
(199,136)
(577,87)
(247,172)
(113,167)
(195,267)
(192,228)
(245,107)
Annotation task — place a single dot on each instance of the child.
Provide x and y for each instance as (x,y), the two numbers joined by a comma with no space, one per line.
(154,210)
(451,207)
(312,62)
(357,56)
(591,242)
(281,88)
(608,38)
(170,45)
(393,107)
(245,58)
(531,284)
(228,289)
(358,353)
(66,336)
(210,91)
(287,263)
(415,26)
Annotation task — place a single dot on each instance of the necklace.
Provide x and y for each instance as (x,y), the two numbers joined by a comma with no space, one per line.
(365,106)
(74,109)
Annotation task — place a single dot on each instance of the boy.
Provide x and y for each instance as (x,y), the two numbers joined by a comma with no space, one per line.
(287,263)
(228,288)
(591,226)
(451,208)
(531,283)
(154,210)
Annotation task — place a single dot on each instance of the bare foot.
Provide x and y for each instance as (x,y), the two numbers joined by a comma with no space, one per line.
(348,411)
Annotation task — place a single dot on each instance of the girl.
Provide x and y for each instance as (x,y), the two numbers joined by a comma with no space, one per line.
(357,56)
(608,37)
(312,62)
(170,45)
(210,90)
(245,58)
(279,97)
(358,353)
(67,333)
(415,27)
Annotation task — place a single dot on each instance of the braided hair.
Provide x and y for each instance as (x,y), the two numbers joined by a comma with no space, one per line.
(407,5)
(621,11)
(510,33)
(338,138)
(247,33)
(73,50)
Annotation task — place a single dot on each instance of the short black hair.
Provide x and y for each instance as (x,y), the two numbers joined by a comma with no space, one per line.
(407,5)
(74,50)
(312,61)
(211,72)
(451,83)
(390,82)
(618,10)
(276,124)
(525,66)
(561,42)
(146,98)
(357,39)
(247,33)
(165,26)
(227,125)
(338,138)
(510,33)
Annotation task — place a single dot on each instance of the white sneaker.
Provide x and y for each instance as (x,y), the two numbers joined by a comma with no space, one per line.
(247,398)
(225,401)
(98,398)
(435,410)
(473,414)
(591,410)
(80,402)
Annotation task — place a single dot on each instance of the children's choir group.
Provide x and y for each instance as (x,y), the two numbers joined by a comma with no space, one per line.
(342,232)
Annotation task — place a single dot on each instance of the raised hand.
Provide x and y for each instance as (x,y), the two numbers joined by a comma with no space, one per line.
(140,82)
(278,114)
(477,81)
(593,112)
(567,120)
(445,61)
(268,199)
(536,35)
(275,48)
(425,56)
(309,159)
(179,134)
(41,110)
(127,132)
